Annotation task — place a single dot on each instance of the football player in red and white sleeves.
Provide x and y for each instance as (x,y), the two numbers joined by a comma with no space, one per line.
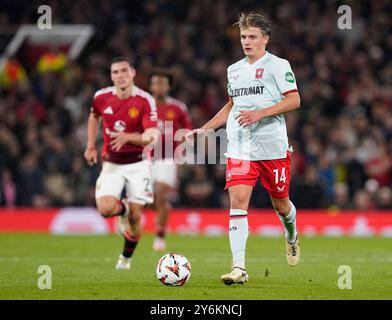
(129,119)
(173,115)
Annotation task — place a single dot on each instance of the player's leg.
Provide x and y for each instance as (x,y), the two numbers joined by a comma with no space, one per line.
(139,192)
(109,186)
(164,176)
(110,206)
(132,235)
(238,232)
(238,227)
(108,190)
(287,214)
(275,177)
(240,181)
(162,207)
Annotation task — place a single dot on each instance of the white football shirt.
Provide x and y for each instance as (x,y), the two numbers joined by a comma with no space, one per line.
(253,87)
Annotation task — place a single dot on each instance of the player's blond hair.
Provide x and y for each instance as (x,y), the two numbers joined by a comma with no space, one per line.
(256,20)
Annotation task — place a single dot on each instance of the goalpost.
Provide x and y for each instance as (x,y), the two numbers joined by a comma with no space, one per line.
(73,37)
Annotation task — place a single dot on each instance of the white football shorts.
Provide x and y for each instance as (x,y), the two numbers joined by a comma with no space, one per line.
(164,171)
(135,177)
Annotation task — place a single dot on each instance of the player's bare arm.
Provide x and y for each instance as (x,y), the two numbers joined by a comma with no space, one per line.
(91,154)
(291,102)
(149,136)
(217,121)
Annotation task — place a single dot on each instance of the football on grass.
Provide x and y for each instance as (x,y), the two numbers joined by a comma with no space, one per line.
(173,269)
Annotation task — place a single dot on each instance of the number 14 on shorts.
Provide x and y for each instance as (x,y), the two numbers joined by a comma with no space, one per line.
(280,177)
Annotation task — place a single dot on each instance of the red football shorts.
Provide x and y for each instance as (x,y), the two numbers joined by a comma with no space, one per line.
(274,175)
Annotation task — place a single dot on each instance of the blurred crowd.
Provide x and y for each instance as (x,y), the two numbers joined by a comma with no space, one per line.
(342,134)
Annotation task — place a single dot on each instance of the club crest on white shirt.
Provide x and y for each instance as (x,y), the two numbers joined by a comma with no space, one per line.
(259,73)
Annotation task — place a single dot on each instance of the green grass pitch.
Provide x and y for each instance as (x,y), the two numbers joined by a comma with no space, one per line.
(83,268)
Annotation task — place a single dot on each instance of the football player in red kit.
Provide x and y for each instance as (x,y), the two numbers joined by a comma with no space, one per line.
(173,115)
(129,121)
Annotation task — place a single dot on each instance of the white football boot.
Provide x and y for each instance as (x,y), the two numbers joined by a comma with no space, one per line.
(237,275)
(122,221)
(159,244)
(293,252)
(123,263)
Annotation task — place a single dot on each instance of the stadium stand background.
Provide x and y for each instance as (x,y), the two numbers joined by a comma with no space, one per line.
(341,135)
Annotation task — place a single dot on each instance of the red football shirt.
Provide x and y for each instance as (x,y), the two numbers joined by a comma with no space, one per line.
(134,114)
(172,116)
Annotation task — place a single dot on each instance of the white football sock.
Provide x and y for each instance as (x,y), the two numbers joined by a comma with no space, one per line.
(289,224)
(238,234)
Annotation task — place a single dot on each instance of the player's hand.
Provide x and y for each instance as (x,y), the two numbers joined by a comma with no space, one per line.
(91,156)
(190,136)
(248,117)
(119,139)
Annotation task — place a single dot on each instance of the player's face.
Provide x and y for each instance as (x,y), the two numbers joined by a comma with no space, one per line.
(253,41)
(159,86)
(122,74)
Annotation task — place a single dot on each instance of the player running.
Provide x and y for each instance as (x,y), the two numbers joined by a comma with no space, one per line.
(261,89)
(129,124)
(172,116)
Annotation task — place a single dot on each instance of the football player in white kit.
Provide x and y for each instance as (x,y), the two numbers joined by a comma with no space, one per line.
(261,88)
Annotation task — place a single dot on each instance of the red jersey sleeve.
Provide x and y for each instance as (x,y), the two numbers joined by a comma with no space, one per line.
(150,116)
(95,106)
